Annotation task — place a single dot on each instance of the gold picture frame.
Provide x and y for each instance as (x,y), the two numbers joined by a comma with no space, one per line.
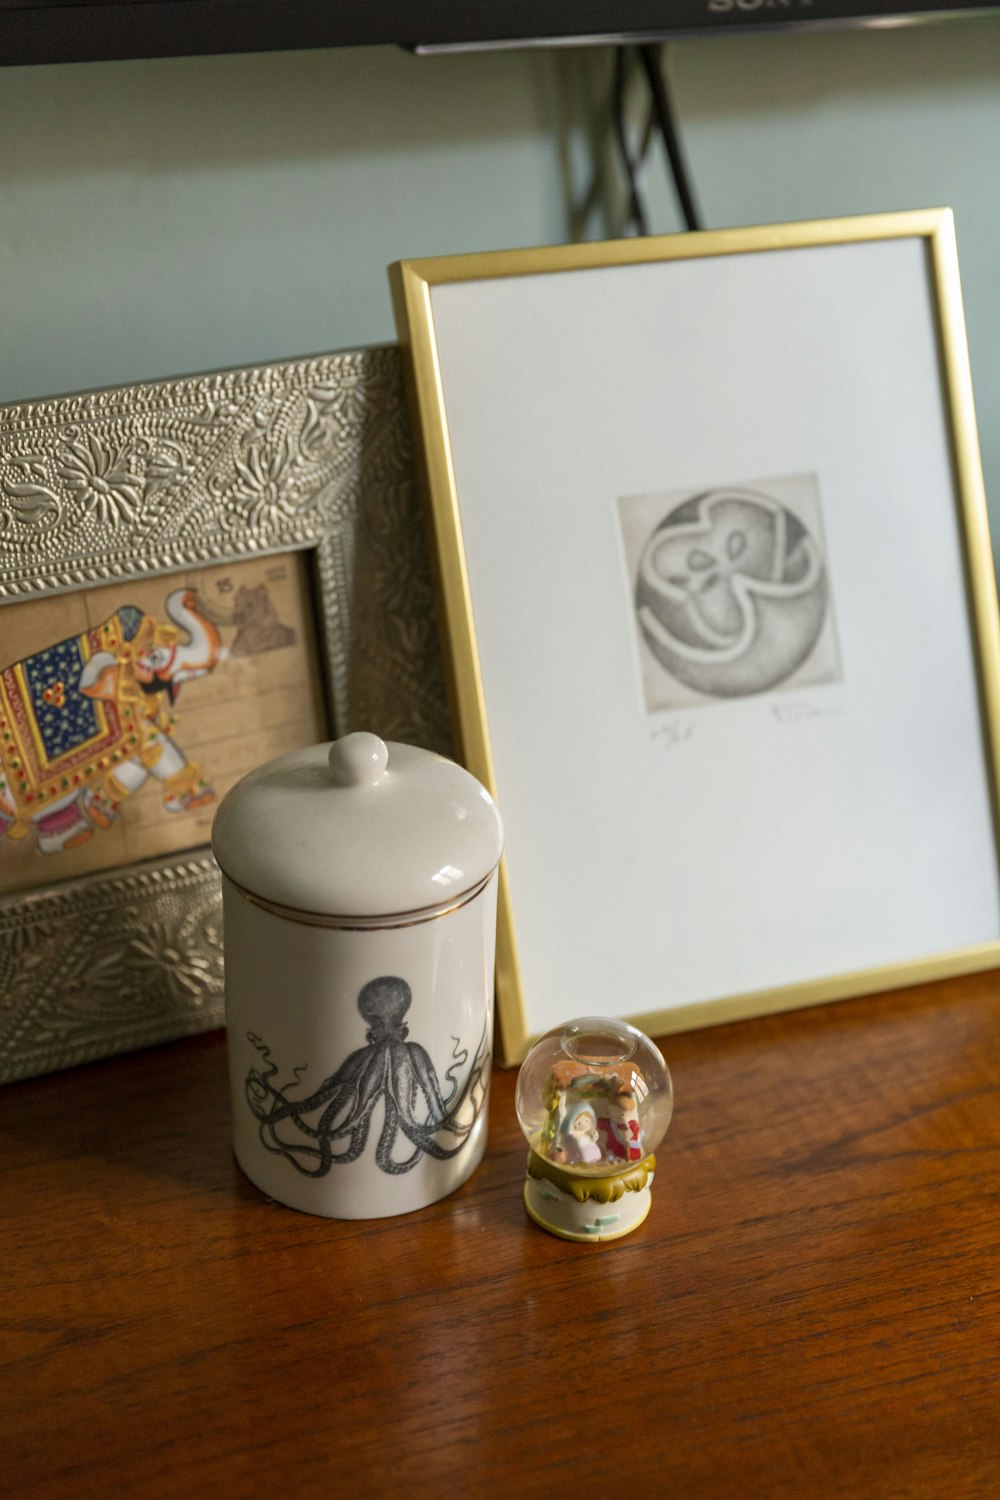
(581,411)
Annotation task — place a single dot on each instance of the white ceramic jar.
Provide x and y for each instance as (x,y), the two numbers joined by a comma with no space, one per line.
(359,883)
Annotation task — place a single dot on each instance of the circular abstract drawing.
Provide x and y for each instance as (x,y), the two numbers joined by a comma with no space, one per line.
(731,593)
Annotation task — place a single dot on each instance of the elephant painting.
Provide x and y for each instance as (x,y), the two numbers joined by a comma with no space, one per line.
(85,722)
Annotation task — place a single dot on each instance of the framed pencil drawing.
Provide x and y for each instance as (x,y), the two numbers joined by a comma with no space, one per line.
(185,568)
(711,538)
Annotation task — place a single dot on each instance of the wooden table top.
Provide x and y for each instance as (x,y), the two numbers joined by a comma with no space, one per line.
(811,1308)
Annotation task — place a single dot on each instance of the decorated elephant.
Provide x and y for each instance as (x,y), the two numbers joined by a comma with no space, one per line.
(85,722)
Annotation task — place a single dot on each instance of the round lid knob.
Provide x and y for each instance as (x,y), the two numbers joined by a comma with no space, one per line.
(358,828)
(358,759)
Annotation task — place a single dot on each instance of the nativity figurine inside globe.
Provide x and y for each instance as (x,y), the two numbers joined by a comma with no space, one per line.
(594,1099)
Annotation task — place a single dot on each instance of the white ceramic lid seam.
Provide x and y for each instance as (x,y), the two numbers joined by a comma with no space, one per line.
(348,922)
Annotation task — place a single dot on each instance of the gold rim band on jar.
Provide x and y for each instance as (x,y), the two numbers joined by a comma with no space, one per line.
(360,924)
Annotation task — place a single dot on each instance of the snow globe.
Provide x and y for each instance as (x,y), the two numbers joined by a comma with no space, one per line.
(594,1099)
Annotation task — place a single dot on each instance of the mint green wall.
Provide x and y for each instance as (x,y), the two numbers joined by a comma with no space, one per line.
(169,216)
(184,214)
(857,123)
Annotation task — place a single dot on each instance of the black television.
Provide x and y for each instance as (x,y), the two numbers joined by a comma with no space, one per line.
(44,31)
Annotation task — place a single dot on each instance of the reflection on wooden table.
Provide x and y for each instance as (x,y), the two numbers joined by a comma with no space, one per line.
(811,1308)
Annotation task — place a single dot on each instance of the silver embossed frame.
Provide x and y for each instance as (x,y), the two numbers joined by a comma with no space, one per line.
(308,455)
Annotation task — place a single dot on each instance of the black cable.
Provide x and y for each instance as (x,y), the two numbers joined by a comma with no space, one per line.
(636,210)
(650,56)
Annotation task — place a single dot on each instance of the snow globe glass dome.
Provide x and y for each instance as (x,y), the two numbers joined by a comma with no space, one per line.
(594,1099)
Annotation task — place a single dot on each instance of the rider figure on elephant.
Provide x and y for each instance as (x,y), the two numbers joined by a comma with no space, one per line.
(85,722)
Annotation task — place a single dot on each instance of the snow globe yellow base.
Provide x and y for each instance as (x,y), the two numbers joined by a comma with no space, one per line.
(587,1208)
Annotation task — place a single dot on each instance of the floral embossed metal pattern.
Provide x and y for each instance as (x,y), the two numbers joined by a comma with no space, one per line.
(309,455)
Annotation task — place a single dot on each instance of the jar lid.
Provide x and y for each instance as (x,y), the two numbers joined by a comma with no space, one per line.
(358,828)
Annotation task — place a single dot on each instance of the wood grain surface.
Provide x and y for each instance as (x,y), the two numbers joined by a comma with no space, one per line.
(811,1309)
